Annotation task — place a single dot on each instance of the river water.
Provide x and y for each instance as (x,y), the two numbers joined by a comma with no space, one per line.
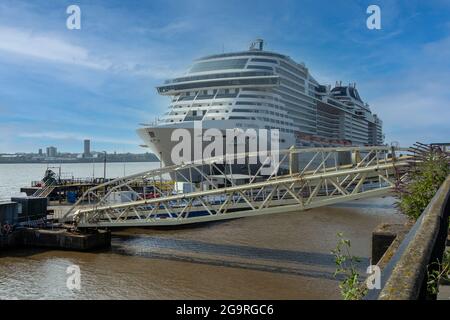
(14,176)
(279,256)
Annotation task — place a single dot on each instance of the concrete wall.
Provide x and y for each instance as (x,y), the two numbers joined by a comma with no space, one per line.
(406,274)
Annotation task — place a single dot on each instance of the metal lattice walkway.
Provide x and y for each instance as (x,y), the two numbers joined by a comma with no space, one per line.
(302,179)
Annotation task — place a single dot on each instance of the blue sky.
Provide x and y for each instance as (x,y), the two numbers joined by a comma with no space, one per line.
(59,86)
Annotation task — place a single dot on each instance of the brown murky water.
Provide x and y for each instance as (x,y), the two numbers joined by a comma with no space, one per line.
(280,256)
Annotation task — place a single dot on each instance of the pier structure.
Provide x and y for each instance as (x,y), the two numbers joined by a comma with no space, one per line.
(59,190)
(302,179)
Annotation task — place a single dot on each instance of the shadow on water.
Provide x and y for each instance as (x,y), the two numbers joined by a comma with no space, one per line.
(193,225)
(152,247)
(21,252)
(233,264)
(363,205)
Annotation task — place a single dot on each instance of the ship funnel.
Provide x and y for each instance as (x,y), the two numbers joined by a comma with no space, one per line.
(258,44)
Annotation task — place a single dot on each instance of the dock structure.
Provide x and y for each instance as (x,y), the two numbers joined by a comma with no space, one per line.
(59,190)
(58,238)
(302,179)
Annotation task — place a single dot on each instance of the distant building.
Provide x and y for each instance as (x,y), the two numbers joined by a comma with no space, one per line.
(87,148)
(52,152)
(40,152)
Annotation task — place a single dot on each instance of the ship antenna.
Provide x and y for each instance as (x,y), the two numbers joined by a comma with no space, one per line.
(258,45)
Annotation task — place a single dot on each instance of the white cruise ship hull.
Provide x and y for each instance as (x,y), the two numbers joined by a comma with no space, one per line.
(159,140)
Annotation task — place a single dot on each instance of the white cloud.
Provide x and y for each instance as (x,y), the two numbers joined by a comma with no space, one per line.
(415,106)
(46,47)
(413,109)
(439,49)
(30,44)
(170,29)
(158,70)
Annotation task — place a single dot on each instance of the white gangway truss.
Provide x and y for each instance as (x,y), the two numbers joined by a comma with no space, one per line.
(303,179)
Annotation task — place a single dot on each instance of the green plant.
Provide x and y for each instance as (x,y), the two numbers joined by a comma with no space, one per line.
(430,170)
(438,271)
(351,286)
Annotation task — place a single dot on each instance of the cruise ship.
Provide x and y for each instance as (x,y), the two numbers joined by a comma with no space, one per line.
(262,90)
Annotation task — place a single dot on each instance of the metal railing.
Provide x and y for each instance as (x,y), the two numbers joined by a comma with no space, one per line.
(45,190)
(293,185)
(71,181)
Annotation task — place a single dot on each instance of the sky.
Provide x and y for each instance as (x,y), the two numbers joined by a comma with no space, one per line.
(60,86)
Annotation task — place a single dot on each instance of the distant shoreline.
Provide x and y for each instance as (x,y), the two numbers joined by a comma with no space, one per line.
(74,161)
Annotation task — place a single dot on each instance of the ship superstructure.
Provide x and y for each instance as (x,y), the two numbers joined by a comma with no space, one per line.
(262,90)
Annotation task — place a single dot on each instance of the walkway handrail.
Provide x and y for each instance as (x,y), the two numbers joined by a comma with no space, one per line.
(281,181)
(405,276)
